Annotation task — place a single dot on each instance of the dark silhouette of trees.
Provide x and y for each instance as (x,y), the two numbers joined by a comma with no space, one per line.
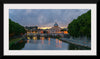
(15,28)
(81,26)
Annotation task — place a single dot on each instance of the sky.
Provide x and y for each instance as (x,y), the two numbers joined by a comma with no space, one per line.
(45,17)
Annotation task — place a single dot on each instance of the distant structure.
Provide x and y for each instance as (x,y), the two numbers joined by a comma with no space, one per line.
(55,29)
(31,29)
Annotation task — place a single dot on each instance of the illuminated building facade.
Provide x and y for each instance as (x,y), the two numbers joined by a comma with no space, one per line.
(55,29)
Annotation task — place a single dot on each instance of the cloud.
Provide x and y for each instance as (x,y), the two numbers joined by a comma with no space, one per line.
(45,17)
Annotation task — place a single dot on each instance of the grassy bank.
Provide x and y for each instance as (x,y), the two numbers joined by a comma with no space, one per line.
(12,41)
(77,42)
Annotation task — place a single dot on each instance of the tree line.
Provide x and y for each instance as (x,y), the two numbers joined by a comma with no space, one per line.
(15,28)
(81,26)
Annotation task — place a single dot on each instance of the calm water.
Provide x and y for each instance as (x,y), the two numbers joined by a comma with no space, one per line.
(45,44)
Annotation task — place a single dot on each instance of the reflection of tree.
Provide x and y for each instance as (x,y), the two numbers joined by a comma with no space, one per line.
(76,47)
(19,45)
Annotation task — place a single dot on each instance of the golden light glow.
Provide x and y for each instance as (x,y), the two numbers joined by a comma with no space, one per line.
(28,32)
(28,37)
(41,31)
(42,38)
(56,40)
(49,41)
(59,32)
(58,45)
(33,32)
(65,32)
(49,27)
(59,41)
(27,41)
(44,27)
(63,27)
(35,38)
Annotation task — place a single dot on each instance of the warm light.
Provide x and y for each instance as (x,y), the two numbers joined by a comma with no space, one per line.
(33,32)
(58,45)
(28,37)
(59,32)
(41,31)
(63,27)
(59,41)
(49,27)
(44,27)
(42,40)
(28,32)
(27,41)
(65,32)
(56,40)
(49,41)
(35,38)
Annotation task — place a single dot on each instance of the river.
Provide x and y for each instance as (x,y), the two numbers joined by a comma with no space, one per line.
(46,44)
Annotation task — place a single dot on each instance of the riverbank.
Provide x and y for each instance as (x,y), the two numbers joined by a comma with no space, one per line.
(77,41)
(12,41)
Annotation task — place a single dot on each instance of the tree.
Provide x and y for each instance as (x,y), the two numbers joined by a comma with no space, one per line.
(81,26)
(15,28)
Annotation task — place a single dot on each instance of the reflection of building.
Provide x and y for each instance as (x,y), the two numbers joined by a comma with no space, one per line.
(55,29)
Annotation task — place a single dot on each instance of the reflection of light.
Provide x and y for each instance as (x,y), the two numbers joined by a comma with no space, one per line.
(28,37)
(35,38)
(42,38)
(42,41)
(27,41)
(60,43)
(56,40)
(49,41)
(34,41)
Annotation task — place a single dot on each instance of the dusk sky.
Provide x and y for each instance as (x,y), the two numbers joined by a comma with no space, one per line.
(45,17)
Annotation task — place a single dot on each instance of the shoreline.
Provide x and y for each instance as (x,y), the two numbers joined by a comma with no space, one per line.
(76,42)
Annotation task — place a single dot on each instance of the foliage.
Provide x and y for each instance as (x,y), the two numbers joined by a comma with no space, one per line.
(15,28)
(63,29)
(81,26)
(12,41)
(18,45)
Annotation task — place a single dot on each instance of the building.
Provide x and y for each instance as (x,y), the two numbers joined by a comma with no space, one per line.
(55,29)
(31,29)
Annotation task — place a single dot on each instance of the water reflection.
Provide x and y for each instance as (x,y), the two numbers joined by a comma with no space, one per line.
(34,38)
(18,45)
(44,44)
(49,41)
(42,38)
(58,43)
(27,41)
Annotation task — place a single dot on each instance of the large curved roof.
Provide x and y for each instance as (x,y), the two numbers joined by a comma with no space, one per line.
(55,24)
